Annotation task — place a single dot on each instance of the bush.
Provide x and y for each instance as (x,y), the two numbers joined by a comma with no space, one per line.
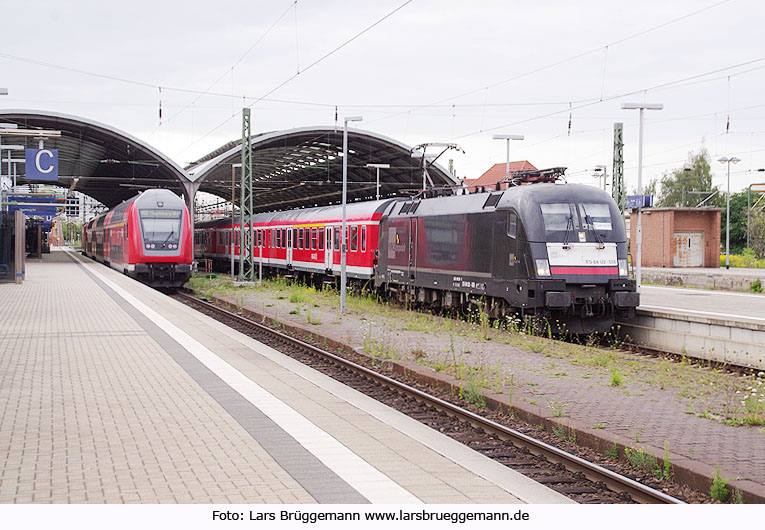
(747,259)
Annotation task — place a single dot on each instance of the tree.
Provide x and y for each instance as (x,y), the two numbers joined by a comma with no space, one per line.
(757,234)
(678,186)
(737,222)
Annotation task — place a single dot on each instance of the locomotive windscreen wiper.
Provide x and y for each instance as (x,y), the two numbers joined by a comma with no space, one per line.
(169,236)
(569,227)
(591,225)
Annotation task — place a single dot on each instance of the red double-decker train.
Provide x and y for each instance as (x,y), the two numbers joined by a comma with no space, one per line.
(147,237)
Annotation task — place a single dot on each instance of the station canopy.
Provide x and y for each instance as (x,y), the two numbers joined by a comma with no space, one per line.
(95,159)
(295,168)
(301,168)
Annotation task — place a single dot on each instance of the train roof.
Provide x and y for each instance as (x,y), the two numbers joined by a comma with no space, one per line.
(355,211)
(519,197)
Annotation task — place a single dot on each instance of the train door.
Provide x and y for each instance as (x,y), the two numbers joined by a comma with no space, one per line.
(506,233)
(412,249)
(289,246)
(336,230)
(328,232)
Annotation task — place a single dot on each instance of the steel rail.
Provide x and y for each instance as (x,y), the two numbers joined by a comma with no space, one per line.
(639,492)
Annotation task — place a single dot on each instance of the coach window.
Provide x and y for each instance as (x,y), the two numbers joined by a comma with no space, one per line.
(364,238)
(354,238)
(512,225)
(294,238)
(314,239)
(321,238)
(300,238)
(337,238)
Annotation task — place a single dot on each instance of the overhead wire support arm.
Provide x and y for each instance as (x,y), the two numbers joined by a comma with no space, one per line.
(428,160)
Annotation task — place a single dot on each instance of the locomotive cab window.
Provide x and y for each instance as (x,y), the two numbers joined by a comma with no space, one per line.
(558,216)
(595,216)
(161,228)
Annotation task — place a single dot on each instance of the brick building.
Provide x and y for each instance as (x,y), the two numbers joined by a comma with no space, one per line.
(678,237)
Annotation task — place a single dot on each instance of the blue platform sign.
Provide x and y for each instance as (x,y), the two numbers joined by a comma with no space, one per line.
(639,201)
(41,164)
(42,207)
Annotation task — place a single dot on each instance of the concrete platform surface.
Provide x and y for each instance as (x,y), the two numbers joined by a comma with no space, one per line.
(718,278)
(112,392)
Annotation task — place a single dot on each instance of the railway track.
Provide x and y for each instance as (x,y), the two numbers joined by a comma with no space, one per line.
(568,474)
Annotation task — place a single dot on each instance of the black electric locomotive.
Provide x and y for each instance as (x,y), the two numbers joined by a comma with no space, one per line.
(545,249)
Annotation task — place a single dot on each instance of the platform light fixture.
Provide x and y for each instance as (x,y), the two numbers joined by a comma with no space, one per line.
(378,167)
(639,231)
(343,242)
(727,161)
(601,171)
(507,138)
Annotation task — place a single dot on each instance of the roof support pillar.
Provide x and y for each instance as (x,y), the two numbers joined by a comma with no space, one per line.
(189,192)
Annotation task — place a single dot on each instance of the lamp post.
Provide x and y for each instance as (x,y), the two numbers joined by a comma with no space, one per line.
(343,243)
(639,231)
(602,172)
(507,138)
(726,160)
(379,167)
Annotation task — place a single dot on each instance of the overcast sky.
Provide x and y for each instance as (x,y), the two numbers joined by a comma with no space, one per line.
(434,70)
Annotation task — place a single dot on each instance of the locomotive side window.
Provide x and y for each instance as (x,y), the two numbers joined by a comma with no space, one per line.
(557,216)
(595,216)
(512,225)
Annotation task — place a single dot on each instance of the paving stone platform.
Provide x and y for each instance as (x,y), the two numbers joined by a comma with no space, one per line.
(111,392)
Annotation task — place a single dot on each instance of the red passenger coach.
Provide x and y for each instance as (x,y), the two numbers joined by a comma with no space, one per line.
(306,240)
(147,237)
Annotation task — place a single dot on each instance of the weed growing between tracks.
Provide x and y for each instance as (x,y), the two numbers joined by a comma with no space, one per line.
(467,350)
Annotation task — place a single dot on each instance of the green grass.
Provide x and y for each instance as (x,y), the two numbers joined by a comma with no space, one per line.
(719,489)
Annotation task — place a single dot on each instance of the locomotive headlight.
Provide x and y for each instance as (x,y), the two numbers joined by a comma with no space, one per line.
(543,267)
(623,272)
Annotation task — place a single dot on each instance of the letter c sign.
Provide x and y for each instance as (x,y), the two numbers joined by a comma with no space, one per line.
(41,164)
